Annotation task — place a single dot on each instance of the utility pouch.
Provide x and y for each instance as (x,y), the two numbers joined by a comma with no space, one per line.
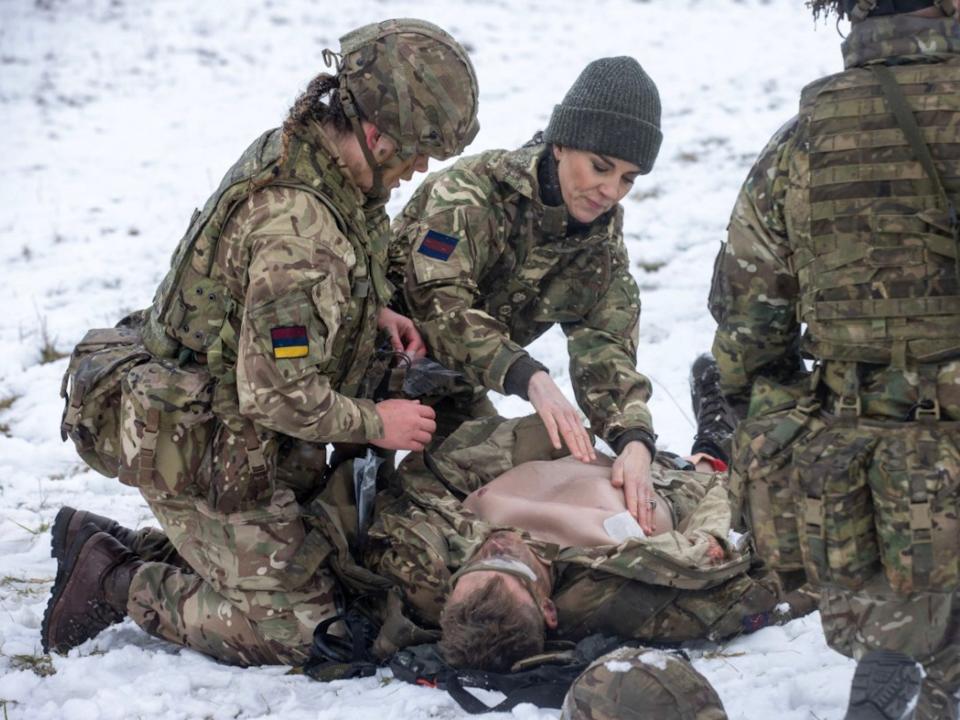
(916,494)
(166,425)
(91,393)
(761,475)
(835,508)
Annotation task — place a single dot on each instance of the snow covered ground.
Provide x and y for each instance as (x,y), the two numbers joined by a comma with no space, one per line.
(120,117)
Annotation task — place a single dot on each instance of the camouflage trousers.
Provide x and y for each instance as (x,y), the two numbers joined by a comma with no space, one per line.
(152,544)
(254,588)
(870,510)
(589,602)
(925,626)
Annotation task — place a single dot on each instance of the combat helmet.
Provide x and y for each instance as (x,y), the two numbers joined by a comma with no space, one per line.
(639,684)
(414,82)
(861,9)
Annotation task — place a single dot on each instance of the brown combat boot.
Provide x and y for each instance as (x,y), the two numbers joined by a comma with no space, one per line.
(91,589)
(68,523)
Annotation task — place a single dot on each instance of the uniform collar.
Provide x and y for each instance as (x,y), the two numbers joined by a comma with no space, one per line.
(318,139)
(901,37)
(520,170)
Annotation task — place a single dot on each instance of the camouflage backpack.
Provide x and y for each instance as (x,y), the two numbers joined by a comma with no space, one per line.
(91,391)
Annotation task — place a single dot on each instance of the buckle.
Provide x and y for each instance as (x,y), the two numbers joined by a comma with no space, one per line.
(927,410)
(847,406)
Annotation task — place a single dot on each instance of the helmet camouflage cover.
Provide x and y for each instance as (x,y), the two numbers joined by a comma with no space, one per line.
(640,684)
(414,82)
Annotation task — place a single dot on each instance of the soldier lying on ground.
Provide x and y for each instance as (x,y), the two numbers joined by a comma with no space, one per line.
(480,542)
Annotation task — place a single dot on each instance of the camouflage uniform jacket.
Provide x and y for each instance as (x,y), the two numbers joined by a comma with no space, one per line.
(423,536)
(293,268)
(487,268)
(837,208)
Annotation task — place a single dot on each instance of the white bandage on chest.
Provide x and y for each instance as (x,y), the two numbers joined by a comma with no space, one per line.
(622,527)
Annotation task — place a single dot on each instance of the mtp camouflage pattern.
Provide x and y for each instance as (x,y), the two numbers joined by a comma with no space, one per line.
(842,248)
(641,684)
(414,82)
(255,587)
(224,430)
(636,590)
(839,227)
(511,271)
(925,626)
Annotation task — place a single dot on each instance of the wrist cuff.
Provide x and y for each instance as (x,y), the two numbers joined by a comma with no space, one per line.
(518,376)
(637,434)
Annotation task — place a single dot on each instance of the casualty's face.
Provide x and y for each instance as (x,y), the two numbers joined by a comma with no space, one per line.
(509,550)
(592,184)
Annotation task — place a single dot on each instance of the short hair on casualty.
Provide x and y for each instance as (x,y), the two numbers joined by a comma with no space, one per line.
(490,630)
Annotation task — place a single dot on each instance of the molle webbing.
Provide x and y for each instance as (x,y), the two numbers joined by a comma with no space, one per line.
(194,311)
(878,253)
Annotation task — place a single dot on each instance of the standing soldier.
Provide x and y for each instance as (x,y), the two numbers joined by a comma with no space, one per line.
(260,336)
(501,246)
(843,248)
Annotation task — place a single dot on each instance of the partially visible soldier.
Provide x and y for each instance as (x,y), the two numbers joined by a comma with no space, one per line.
(499,247)
(260,336)
(641,684)
(843,248)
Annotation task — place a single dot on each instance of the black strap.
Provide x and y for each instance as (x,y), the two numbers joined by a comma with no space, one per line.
(542,695)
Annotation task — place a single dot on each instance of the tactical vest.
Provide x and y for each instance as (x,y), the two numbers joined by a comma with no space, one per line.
(194,311)
(544,276)
(876,251)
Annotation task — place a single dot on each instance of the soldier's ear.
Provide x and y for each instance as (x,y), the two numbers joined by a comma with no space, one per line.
(549,613)
(377,142)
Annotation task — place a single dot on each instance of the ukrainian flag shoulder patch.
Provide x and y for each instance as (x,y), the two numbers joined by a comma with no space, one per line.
(289,342)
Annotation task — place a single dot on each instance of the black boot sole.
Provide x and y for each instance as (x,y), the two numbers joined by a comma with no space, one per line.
(885,687)
(64,570)
(58,533)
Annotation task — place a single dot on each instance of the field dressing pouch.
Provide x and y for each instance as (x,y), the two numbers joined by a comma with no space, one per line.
(166,425)
(887,497)
(91,392)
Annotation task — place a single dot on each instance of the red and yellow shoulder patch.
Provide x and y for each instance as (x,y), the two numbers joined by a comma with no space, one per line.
(289,342)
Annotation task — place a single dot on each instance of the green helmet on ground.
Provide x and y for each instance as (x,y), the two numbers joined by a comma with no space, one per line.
(414,82)
(641,684)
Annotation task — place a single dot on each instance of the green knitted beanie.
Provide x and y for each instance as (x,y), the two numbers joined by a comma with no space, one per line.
(612,109)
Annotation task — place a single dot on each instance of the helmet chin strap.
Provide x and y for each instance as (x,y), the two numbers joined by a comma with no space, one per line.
(377,191)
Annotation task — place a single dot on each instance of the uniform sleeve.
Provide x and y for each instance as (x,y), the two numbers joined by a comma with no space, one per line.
(603,358)
(754,293)
(298,274)
(451,240)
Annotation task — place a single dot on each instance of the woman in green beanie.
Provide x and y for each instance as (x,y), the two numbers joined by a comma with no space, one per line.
(495,249)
